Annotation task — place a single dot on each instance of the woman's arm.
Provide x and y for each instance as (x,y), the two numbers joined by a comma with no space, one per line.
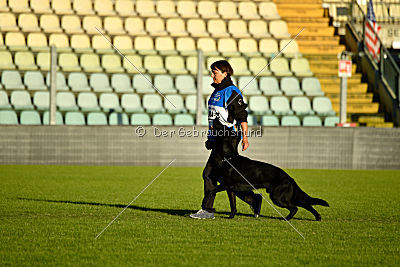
(245,142)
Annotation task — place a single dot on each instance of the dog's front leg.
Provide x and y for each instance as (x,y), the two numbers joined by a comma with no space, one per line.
(232,202)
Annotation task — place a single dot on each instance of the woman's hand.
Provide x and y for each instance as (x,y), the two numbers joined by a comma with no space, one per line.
(245,143)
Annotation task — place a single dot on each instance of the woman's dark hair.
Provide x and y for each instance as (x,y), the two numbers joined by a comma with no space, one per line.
(223,66)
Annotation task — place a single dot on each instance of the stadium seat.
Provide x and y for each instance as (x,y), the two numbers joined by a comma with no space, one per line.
(323,106)
(121,83)
(19,6)
(268,11)
(175,65)
(280,105)
(248,85)
(185,84)
(331,121)
(280,67)
(46,118)
(21,100)
(77,81)
(269,86)
(2,46)
(191,104)
(8,117)
(146,8)
(252,120)
(97,118)
(74,118)
(208,46)
(60,80)
(87,101)
(239,65)
(117,118)
(211,60)
(133,64)
(152,103)
(37,41)
(258,29)
(144,45)
(301,106)
(197,28)
(259,66)
(81,43)
(290,121)
(124,8)
(290,86)
(227,10)
(113,25)
(28,23)
(183,120)
(41,100)
(50,23)
(143,84)
(311,86)
(154,64)
(112,63)
(187,9)
(204,120)
(101,45)
(279,29)
(164,84)
(4,102)
(30,117)
(41,6)
(66,101)
(6,62)
(34,80)
(176,27)
(123,44)
(83,7)
(15,41)
(25,60)
(228,47)
(90,23)
(174,103)
(166,9)
(269,47)
(100,83)
(248,10)
(155,27)
(60,41)
(207,88)
(312,121)
(258,105)
(71,24)
(192,65)
(269,120)
(62,7)
(186,46)
(162,119)
(289,48)
(140,119)
(8,23)
(165,45)
(248,47)
(109,102)
(207,9)
(300,67)
(91,63)
(68,62)
(104,7)
(131,103)
(43,61)
(217,28)
(135,26)
(238,29)
(11,80)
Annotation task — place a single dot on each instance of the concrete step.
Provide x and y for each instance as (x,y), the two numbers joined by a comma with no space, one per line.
(371,119)
(307,24)
(320,48)
(301,19)
(285,2)
(299,10)
(311,31)
(328,68)
(369,108)
(353,98)
(333,88)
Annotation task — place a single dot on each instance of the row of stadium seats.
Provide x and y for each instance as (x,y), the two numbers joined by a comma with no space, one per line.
(165,8)
(72,24)
(153,64)
(31,117)
(153,103)
(142,84)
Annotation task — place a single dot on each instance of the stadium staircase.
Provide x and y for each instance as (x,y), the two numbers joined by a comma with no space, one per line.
(320,45)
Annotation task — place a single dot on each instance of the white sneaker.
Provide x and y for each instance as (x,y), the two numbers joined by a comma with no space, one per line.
(202,214)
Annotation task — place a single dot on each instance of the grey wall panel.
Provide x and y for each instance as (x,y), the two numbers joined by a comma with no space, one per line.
(288,147)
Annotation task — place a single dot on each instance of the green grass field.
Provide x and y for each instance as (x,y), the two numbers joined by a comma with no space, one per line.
(50,215)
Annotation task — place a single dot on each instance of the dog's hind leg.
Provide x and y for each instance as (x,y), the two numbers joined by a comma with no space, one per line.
(232,202)
(313,211)
(293,211)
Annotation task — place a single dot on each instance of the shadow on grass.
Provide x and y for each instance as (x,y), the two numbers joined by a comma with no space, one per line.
(176,212)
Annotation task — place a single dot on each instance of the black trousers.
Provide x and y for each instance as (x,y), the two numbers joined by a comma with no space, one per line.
(211,175)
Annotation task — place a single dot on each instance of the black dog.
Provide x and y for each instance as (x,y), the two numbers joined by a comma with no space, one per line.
(283,190)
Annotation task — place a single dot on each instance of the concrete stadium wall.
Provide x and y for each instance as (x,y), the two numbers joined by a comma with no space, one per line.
(287,147)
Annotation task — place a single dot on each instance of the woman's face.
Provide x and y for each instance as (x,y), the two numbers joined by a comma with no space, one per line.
(217,75)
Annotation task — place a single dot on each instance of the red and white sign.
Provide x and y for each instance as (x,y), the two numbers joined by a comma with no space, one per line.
(345,68)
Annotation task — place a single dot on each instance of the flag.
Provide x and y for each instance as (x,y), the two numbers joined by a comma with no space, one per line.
(371,37)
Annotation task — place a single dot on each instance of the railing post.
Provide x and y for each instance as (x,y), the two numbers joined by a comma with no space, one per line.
(199,98)
(53,85)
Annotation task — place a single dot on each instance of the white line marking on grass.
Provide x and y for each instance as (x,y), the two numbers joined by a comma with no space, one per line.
(265,198)
(122,55)
(135,198)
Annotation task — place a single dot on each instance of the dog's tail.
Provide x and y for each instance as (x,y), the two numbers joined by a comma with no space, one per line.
(317,201)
